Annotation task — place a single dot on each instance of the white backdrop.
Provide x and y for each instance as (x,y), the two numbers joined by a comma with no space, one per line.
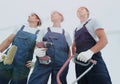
(15,12)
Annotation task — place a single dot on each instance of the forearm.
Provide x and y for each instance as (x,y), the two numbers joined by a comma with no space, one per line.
(73,48)
(99,45)
(102,41)
(69,54)
(6,43)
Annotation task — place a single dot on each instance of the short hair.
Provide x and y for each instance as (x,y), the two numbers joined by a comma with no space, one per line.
(62,17)
(85,9)
(39,23)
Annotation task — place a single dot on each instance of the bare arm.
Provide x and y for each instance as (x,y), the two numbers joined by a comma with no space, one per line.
(73,48)
(6,42)
(102,41)
(69,54)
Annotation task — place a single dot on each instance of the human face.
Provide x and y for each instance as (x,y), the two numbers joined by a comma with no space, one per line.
(82,13)
(34,18)
(56,17)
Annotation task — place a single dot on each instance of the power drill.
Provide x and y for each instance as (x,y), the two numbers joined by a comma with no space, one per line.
(45,44)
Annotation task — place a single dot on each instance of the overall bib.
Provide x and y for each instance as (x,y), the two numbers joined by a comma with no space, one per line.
(59,54)
(25,42)
(17,72)
(99,73)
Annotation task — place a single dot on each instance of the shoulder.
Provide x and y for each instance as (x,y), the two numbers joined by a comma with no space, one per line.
(17,28)
(66,33)
(93,21)
(94,24)
(44,30)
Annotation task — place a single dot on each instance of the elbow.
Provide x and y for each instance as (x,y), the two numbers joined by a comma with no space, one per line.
(105,42)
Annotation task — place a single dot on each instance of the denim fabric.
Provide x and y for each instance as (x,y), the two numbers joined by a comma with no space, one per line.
(85,41)
(59,54)
(17,72)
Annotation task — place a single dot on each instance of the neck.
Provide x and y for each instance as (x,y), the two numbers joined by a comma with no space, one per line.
(33,25)
(56,25)
(83,19)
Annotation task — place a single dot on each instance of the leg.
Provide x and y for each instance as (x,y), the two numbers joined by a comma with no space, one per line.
(62,76)
(99,78)
(5,73)
(40,74)
(22,81)
(20,75)
(79,71)
(99,74)
(4,80)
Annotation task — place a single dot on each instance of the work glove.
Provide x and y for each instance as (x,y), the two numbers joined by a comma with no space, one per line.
(10,55)
(30,64)
(8,58)
(85,56)
(2,57)
(40,52)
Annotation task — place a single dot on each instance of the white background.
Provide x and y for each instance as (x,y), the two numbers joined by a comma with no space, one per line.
(16,12)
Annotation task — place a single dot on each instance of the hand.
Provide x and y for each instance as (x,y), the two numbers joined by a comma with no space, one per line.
(30,64)
(40,52)
(2,57)
(73,59)
(85,56)
(40,44)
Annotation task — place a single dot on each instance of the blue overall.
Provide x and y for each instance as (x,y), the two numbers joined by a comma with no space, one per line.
(99,73)
(59,54)
(25,42)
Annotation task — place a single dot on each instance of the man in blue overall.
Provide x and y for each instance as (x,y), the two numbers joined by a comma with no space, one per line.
(89,39)
(58,53)
(25,39)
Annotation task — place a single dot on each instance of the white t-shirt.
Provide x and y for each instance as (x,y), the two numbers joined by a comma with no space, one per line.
(57,30)
(27,28)
(91,26)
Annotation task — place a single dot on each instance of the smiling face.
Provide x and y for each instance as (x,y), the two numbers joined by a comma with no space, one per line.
(56,17)
(83,13)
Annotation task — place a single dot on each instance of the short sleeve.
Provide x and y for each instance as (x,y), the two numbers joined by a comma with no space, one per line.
(40,35)
(95,24)
(92,26)
(68,38)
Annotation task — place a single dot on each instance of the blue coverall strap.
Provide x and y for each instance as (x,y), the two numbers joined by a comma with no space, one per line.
(63,31)
(22,27)
(83,25)
(86,22)
(49,29)
(37,32)
(75,29)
